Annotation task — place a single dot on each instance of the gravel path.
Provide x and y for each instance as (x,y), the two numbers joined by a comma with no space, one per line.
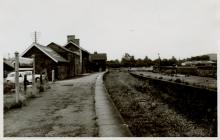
(66,110)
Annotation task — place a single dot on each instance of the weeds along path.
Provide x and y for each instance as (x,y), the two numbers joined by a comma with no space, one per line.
(145,113)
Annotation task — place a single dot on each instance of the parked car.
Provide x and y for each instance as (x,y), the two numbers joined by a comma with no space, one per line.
(11,77)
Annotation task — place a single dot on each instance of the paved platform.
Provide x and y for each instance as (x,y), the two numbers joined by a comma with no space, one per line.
(109,120)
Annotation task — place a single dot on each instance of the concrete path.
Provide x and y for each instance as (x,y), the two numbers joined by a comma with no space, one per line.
(109,120)
(71,108)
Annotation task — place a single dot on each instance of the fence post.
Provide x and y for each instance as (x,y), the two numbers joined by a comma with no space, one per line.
(41,83)
(33,76)
(25,84)
(41,79)
(46,80)
(53,76)
(17,77)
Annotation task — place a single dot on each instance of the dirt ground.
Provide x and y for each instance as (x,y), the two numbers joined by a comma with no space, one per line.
(146,114)
(67,109)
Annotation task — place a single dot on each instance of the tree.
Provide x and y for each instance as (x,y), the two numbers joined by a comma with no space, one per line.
(166,62)
(156,61)
(139,63)
(113,63)
(147,61)
(128,60)
(173,61)
(200,58)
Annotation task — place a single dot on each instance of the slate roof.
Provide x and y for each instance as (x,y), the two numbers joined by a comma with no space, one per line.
(64,48)
(47,51)
(76,46)
(98,56)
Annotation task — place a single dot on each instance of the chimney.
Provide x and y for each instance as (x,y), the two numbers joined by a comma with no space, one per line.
(76,41)
(70,38)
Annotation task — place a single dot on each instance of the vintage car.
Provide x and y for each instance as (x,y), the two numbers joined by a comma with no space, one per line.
(11,77)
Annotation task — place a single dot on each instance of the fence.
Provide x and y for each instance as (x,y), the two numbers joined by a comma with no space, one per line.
(23,90)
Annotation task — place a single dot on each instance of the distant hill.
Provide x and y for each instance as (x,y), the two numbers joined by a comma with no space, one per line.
(212,56)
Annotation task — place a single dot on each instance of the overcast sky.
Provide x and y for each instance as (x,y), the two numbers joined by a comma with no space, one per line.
(180,28)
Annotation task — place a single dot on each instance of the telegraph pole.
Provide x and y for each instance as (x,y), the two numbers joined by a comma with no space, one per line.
(35,36)
(159,61)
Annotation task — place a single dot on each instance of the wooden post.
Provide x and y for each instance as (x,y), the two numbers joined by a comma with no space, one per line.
(17,77)
(53,75)
(45,79)
(80,62)
(33,76)
(46,76)
(25,84)
(41,79)
(41,82)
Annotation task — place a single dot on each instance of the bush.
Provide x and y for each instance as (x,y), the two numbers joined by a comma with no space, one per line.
(194,84)
(178,81)
(187,83)
(8,87)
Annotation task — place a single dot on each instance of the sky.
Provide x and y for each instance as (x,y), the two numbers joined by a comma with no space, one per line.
(180,28)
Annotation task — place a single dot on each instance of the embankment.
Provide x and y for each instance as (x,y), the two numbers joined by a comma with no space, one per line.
(196,103)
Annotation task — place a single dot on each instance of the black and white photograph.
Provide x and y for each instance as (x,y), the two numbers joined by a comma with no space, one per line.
(109,68)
